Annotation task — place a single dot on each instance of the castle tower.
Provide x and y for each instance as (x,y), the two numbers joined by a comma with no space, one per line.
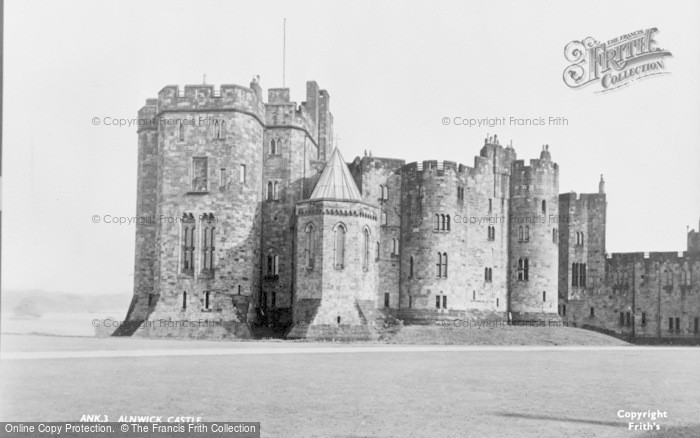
(336,272)
(207,254)
(291,149)
(146,207)
(533,255)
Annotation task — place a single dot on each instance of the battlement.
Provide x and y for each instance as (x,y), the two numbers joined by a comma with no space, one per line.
(208,98)
(624,258)
(367,163)
(288,114)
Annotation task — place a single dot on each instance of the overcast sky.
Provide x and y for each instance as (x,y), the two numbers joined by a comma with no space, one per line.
(393,71)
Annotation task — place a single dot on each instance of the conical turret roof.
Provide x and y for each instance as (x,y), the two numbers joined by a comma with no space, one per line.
(336,182)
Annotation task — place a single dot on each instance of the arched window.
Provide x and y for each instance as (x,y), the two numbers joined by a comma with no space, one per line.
(384,219)
(486,274)
(574,274)
(377,250)
(544,294)
(340,246)
(520,233)
(180,131)
(496,302)
(276,191)
(184,301)
(544,206)
(217,129)
(222,133)
(520,269)
(272,264)
(473,295)
(365,245)
(395,246)
(578,238)
(581,237)
(385,192)
(490,274)
(207,295)
(410,267)
(448,222)
(526,269)
(188,238)
(554,235)
(527,233)
(208,228)
(273,147)
(582,274)
(269,191)
(310,246)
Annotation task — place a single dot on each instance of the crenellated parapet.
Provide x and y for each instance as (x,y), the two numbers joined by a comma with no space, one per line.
(207,98)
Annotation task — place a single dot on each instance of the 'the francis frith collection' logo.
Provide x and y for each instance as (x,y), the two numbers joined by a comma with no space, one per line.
(614,63)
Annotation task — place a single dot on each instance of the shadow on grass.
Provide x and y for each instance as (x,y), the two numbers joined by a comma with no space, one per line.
(561,419)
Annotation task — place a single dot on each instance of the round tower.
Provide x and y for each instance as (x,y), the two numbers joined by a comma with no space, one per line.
(534,251)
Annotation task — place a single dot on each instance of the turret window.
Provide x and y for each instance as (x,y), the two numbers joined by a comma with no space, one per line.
(208,229)
(340,246)
(523,269)
(365,252)
(491,233)
(188,237)
(442,265)
(442,222)
(384,192)
(310,246)
(199,174)
(180,131)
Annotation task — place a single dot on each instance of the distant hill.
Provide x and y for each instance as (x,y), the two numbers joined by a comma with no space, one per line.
(37,302)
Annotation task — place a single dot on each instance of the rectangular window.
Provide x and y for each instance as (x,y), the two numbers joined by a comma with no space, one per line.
(670,324)
(241,174)
(222,178)
(628,320)
(386,299)
(678,325)
(563,310)
(644,318)
(695,326)
(199,174)
(437,301)
(592,312)
(207,241)
(444,301)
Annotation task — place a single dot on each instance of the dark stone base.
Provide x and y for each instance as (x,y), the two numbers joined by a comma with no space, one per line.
(214,330)
(332,332)
(522,318)
(433,316)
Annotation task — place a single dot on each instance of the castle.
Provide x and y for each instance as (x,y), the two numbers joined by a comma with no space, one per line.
(253,218)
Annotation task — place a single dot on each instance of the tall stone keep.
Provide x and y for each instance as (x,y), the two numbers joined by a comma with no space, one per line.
(534,249)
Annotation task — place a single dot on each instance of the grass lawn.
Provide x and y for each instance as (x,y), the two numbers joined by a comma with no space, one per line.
(429,393)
